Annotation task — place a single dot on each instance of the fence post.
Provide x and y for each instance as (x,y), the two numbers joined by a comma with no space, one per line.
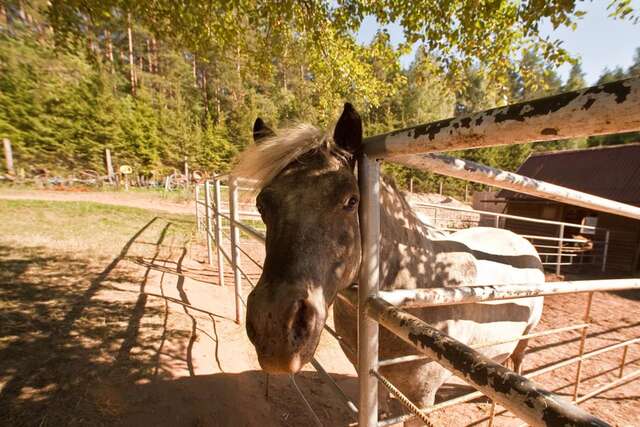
(107,159)
(197,197)
(8,155)
(207,214)
(186,173)
(606,251)
(369,182)
(583,337)
(496,221)
(235,242)
(218,230)
(560,242)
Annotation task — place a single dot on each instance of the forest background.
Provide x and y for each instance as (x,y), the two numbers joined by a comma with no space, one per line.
(160,82)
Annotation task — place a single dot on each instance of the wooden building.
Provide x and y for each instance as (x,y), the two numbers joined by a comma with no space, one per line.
(612,172)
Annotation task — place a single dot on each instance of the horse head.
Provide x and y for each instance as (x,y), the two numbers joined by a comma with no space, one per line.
(308,198)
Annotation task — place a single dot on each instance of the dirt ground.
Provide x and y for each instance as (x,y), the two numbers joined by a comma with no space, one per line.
(149,338)
(133,199)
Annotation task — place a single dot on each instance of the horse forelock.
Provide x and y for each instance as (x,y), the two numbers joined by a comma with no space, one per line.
(263,161)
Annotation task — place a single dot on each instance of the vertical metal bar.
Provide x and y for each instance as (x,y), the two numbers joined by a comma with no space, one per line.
(492,413)
(207,215)
(369,183)
(587,318)
(560,241)
(235,242)
(623,361)
(497,221)
(197,197)
(218,230)
(606,251)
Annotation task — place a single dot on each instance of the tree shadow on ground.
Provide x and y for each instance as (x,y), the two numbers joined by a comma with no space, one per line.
(85,344)
(61,337)
(227,399)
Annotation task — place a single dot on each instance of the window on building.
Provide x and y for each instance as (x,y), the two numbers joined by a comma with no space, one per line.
(588,223)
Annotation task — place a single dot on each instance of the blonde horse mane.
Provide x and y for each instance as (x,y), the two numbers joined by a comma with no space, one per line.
(263,161)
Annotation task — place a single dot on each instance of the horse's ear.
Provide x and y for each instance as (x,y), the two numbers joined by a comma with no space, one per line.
(348,132)
(261,131)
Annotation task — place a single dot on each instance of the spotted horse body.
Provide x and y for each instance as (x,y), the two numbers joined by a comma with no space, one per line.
(308,198)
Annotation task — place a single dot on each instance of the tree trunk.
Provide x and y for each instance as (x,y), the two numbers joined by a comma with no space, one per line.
(132,64)
(205,95)
(218,106)
(107,37)
(4,17)
(149,57)
(284,68)
(195,71)
(238,60)
(154,47)
(21,12)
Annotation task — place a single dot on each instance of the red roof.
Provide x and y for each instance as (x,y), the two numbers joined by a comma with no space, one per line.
(612,172)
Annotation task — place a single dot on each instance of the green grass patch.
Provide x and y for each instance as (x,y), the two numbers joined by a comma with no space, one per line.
(91,228)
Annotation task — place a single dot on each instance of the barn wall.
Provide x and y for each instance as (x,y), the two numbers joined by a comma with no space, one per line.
(624,242)
(530,210)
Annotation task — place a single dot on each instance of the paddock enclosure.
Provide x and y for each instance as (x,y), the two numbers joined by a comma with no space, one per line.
(603,109)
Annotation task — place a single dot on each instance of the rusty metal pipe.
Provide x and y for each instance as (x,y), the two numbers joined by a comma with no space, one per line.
(608,108)
(476,172)
(427,297)
(533,404)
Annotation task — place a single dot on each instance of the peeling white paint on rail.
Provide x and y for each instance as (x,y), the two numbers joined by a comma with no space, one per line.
(608,108)
(428,297)
(531,403)
(476,172)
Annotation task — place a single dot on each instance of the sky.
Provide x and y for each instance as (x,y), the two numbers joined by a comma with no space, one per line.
(599,41)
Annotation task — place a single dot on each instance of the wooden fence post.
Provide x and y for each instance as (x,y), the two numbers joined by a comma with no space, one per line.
(186,172)
(107,158)
(8,156)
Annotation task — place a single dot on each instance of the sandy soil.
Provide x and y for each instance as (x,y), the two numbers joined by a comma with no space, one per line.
(149,338)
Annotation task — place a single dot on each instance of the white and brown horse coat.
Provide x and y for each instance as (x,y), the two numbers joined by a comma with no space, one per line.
(414,255)
(308,200)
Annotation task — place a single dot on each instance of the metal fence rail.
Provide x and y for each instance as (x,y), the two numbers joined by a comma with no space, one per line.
(531,403)
(610,108)
(555,251)
(604,109)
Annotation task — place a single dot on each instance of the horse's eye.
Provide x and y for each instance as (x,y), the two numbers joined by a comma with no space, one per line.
(351,203)
(264,201)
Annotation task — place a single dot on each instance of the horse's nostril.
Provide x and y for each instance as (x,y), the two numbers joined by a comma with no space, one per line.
(302,321)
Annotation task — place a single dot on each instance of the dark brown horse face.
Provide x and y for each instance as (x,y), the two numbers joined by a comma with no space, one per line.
(312,251)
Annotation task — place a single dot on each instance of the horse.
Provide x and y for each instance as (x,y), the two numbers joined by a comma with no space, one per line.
(308,197)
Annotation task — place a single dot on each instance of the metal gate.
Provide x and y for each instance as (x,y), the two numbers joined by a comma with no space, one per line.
(603,109)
